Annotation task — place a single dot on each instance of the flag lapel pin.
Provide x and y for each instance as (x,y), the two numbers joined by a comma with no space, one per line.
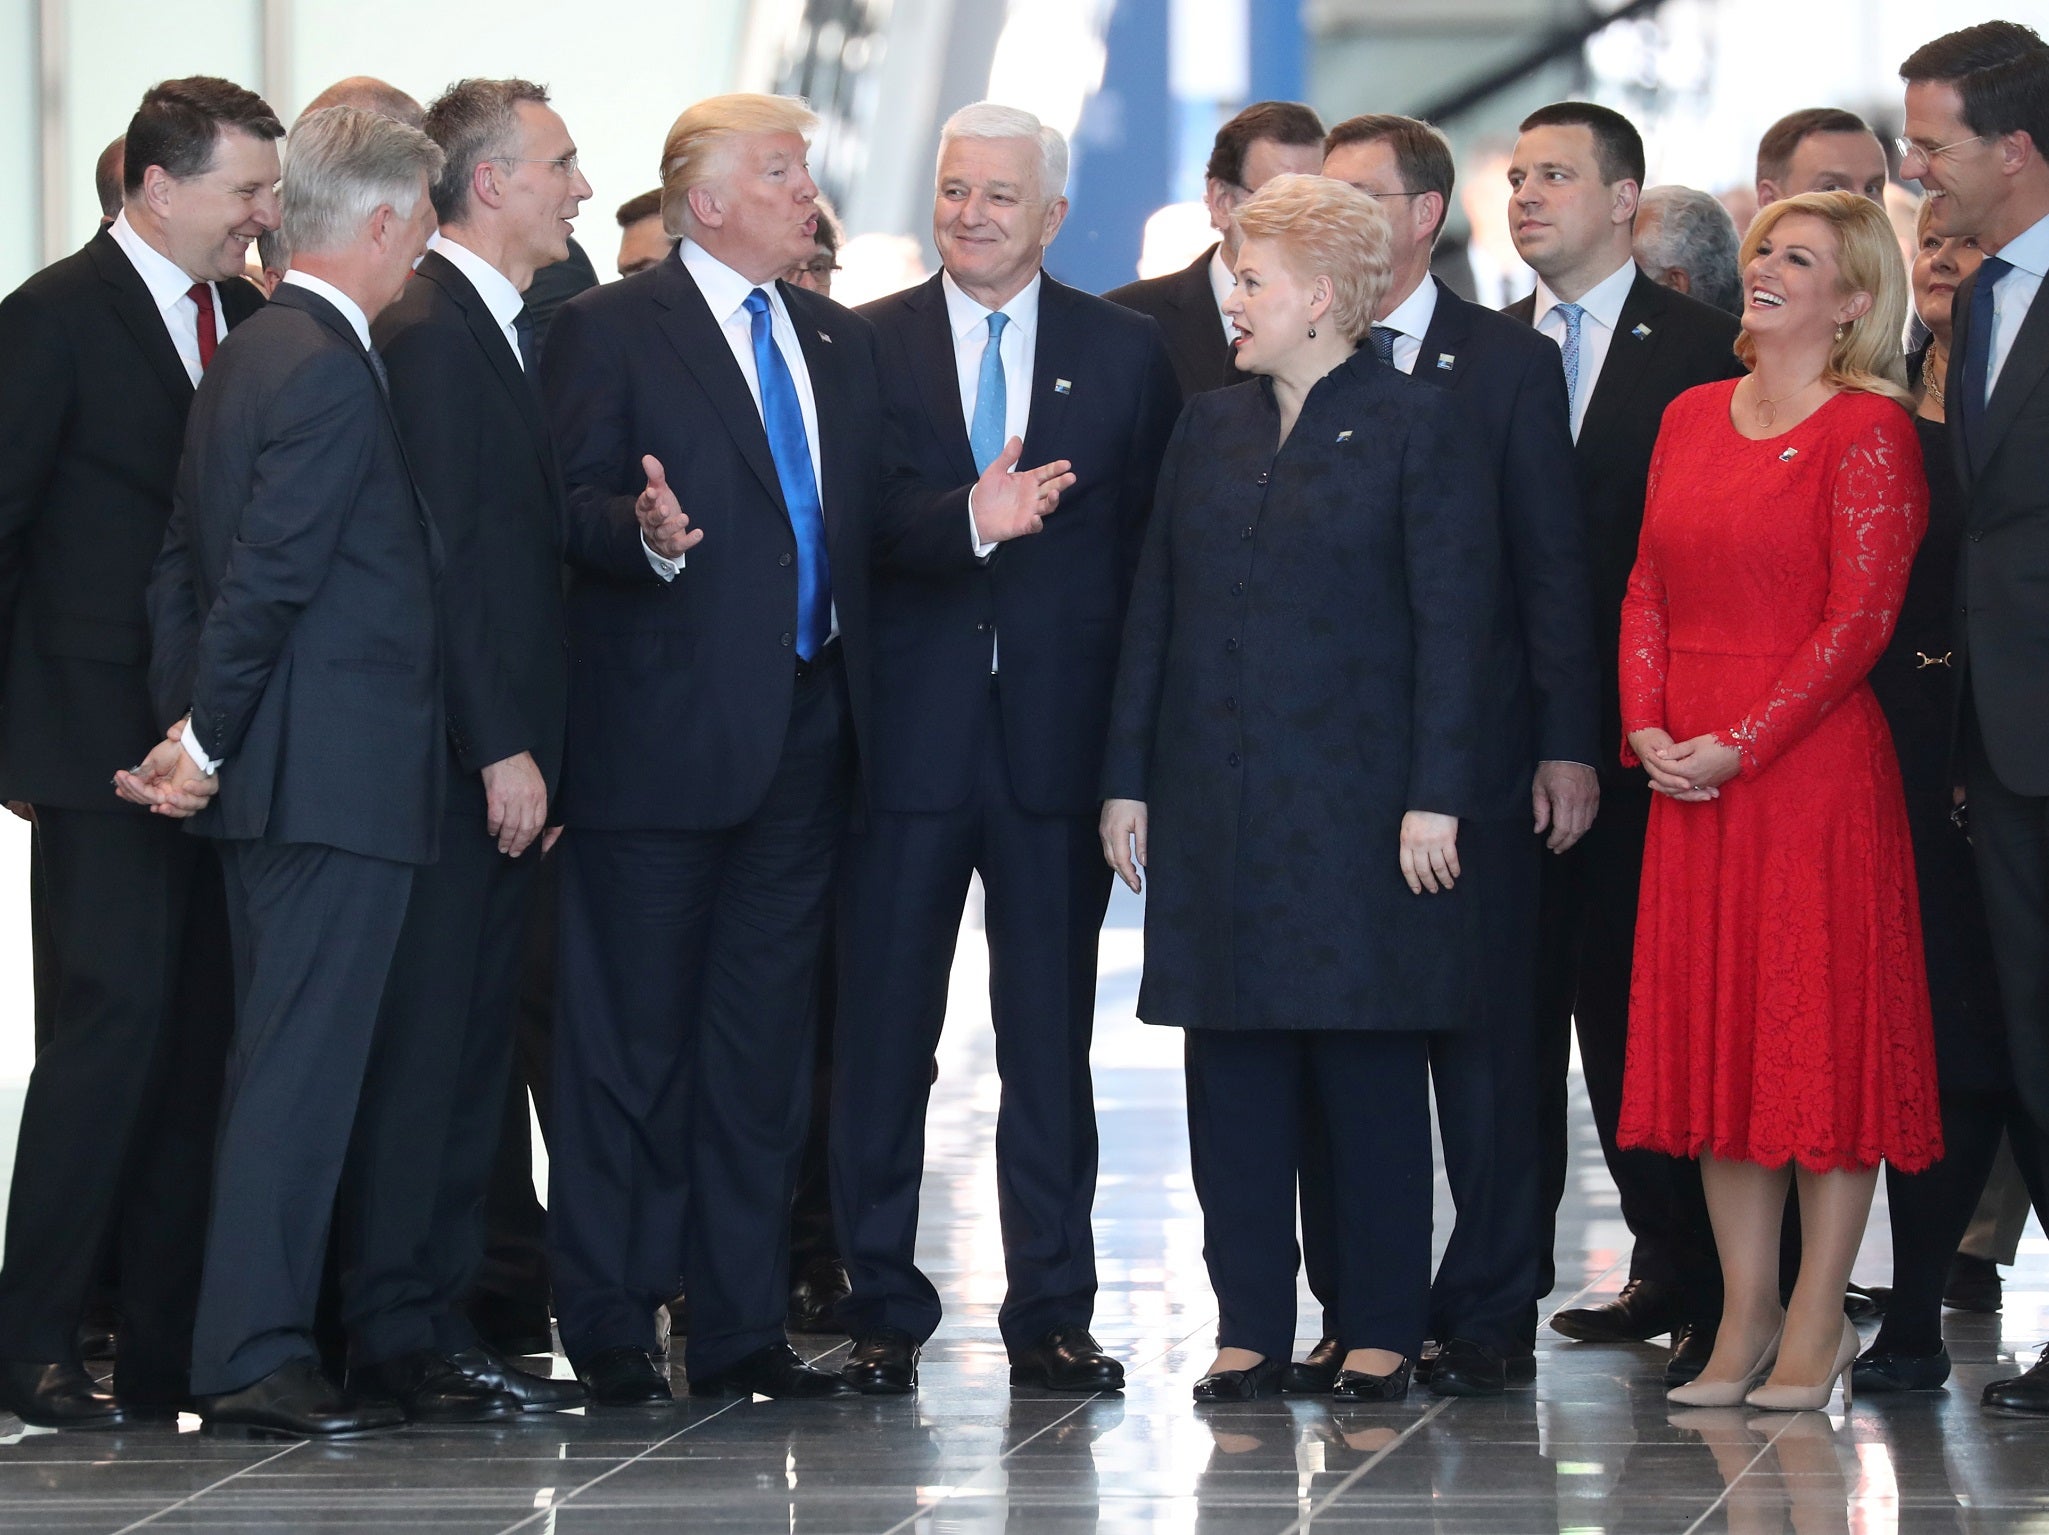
(1062,386)
(822,336)
(1445,361)
(1345,436)
(1642,332)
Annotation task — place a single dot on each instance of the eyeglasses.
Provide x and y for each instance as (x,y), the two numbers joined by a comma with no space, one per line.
(1909,149)
(818,266)
(567,165)
(1379,196)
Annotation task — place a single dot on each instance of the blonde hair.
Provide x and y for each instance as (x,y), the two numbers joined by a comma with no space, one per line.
(1327,228)
(698,148)
(1868,354)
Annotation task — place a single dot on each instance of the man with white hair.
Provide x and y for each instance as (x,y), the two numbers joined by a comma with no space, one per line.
(721,447)
(994,662)
(1686,240)
(293,614)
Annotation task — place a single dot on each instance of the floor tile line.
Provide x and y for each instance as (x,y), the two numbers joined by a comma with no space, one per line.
(613,1470)
(193,1497)
(1359,1471)
(1723,1497)
(1585,1290)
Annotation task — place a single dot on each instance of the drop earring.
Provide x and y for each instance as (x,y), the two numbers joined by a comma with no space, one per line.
(1312,333)
(1842,331)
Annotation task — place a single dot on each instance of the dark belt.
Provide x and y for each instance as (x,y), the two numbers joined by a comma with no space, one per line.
(828,657)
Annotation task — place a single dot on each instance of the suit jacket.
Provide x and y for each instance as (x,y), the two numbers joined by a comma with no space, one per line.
(1186,308)
(1104,398)
(680,692)
(1510,383)
(477,437)
(1665,344)
(293,606)
(94,400)
(2002,632)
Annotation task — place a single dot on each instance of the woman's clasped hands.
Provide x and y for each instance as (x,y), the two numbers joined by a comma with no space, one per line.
(1691,771)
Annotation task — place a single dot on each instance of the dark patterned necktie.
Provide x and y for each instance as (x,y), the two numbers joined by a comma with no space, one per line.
(1382,338)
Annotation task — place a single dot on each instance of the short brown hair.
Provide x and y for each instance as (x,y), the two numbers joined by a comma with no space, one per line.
(1422,156)
(180,122)
(2001,71)
(1618,147)
(648,205)
(1285,122)
(1782,140)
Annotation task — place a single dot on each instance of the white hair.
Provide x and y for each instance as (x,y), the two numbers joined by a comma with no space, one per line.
(989,120)
(341,165)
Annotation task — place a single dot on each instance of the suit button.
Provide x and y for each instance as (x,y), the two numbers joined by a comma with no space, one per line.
(787,642)
(1976,537)
(1237,588)
(1233,759)
(982,627)
(1231,644)
(1248,531)
(785,559)
(1230,706)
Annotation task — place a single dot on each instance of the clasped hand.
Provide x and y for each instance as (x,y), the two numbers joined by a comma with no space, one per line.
(662,521)
(1692,771)
(1011,503)
(167,781)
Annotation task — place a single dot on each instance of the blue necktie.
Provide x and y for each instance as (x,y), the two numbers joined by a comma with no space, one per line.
(1570,350)
(992,399)
(791,450)
(1978,350)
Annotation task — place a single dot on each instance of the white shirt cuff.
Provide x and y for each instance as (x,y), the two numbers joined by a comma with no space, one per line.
(205,764)
(664,567)
(982,550)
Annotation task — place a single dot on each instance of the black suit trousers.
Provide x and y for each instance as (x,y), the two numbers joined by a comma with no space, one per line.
(314,931)
(116,1145)
(683,1051)
(903,888)
(434,1100)
(1585,943)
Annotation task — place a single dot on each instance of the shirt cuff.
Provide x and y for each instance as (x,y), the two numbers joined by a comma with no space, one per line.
(190,741)
(982,550)
(664,567)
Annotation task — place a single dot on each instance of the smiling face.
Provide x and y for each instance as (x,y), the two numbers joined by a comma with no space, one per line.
(210,220)
(1962,175)
(991,218)
(543,185)
(1272,307)
(1941,262)
(1561,214)
(760,215)
(1835,162)
(1793,287)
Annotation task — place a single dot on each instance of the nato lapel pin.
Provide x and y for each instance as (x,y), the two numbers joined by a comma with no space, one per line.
(1642,332)
(1345,436)
(822,336)
(1062,386)
(1445,361)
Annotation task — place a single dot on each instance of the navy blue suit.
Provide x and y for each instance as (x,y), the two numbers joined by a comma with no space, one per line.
(706,779)
(974,769)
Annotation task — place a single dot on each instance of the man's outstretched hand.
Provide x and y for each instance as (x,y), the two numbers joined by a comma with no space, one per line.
(662,523)
(1011,503)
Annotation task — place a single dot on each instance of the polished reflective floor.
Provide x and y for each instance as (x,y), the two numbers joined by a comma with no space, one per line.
(1592,1448)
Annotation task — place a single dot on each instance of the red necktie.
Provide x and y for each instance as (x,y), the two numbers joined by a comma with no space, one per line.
(202,295)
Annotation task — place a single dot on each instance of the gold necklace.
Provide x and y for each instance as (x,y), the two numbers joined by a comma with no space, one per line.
(1767,410)
(1933,366)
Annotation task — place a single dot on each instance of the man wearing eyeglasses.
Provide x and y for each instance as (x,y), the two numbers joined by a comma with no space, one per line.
(1977,125)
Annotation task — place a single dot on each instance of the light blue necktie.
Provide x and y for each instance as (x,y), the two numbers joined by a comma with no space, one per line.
(791,450)
(1570,347)
(992,400)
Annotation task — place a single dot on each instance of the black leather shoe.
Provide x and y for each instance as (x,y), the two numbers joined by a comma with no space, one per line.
(1067,1359)
(1880,1369)
(95,1338)
(624,1377)
(1314,1373)
(1973,1285)
(1866,1303)
(430,1388)
(1690,1350)
(815,1294)
(884,1363)
(774,1371)
(154,1405)
(1358,1386)
(1645,1309)
(1520,1369)
(297,1400)
(510,1327)
(2027,1394)
(57,1396)
(1263,1379)
(489,1370)
(1465,1368)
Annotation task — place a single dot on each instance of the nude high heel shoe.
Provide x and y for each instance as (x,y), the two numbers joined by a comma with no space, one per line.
(1728,1393)
(1812,1398)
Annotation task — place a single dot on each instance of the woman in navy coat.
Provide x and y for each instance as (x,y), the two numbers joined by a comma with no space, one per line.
(1299,723)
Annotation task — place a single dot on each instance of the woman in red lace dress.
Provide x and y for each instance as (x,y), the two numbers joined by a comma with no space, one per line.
(1779,1024)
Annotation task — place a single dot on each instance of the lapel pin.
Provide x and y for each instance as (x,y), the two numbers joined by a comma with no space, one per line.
(1445,360)
(822,336)
(1061,386)
(1789,455)
(1642,332)
(1345,436)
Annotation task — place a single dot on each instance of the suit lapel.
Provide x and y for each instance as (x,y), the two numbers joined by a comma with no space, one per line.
(1629,354)
(1058,369)
(483,325)
(934,366)
(139,313)
(1199,328)
(1443,358)
(700,343)
(2018,378)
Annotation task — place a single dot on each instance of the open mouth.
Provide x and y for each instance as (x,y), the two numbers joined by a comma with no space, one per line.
(1762,299)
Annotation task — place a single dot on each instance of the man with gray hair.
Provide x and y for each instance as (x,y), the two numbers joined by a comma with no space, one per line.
(994,662)
(1685,239)
(297,659)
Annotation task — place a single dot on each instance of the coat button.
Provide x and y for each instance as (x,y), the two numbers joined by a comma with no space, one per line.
(1230,706)
(982,627)
(1237,588)
(1976,537)
(1231,644)
(1233,759)
(787,642)
(785,559)
(1248,531)
(1262,479)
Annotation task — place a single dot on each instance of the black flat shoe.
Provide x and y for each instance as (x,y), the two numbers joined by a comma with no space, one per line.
(1880,1369)
(883,1363)
(490,1370)
(2026,1394)
(1358,1386)
(1644,1310)
(773,1371)
(624,1377)
(297,1401)
(57,1395)
(429,1388)
(1462,1367)
(1690,1350)
(815,1295)
(1067,1359)
(1313,1374)
(1973,1285)
(1262,1379)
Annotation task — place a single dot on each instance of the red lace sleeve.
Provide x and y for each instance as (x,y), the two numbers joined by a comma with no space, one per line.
(1878,515)
(1644,628)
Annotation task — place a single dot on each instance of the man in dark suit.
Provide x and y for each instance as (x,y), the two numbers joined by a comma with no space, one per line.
(1541,665)
(470,416)
(294,617)
(1977,129)
(1267,139)
(1629,347)
(721,438)
(992,685)
(103,351)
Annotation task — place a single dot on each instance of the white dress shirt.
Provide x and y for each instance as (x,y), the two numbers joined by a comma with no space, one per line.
(171,286)
(1221,281)
(493,287)
(1410,322)
(2028,253)
(1603,305)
